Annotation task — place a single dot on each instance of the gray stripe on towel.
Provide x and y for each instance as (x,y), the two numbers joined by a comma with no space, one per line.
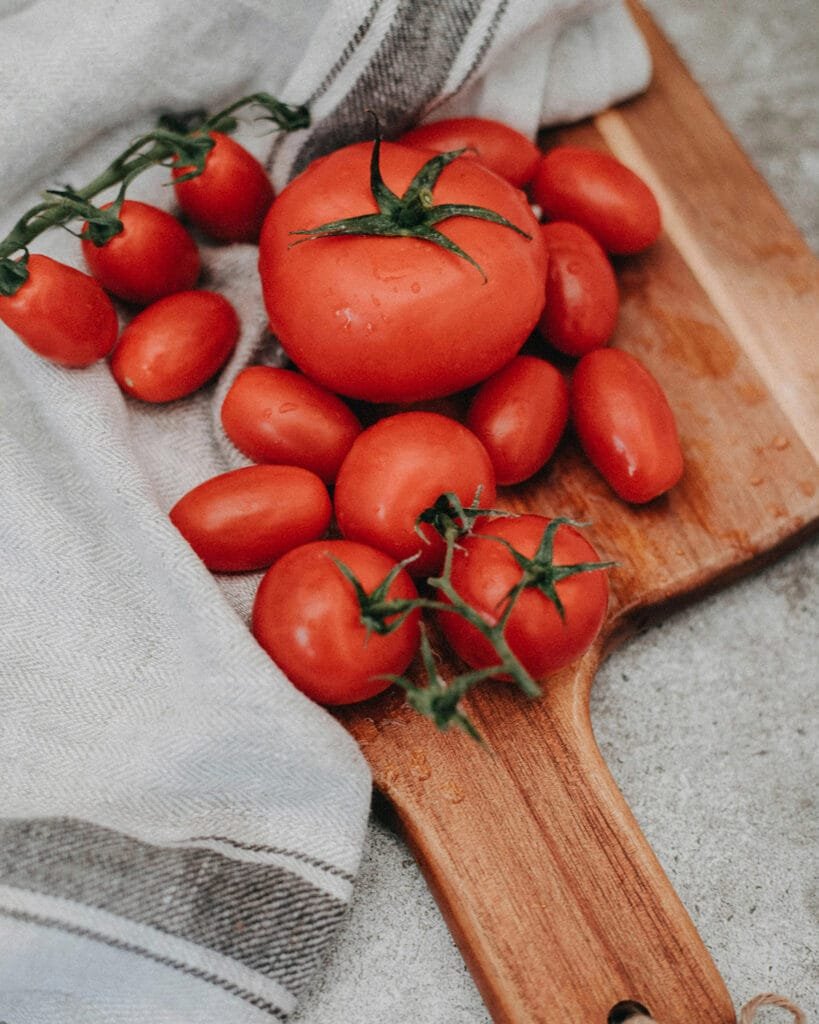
(404,74)
(265,917)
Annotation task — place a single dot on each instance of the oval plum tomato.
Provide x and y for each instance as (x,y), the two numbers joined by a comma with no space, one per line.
(582,301)
(519,415)
(600,194)
(399,467)
(275,415)
(625,425)
(151,257)
(230,198)
(61,313)
(246,518)
(500,148)
(309,620)
(400,319)
(483,573)
(174,346)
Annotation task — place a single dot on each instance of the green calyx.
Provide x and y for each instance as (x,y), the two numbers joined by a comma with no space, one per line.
(540,572)
(449,516)
(379,613)
(412,215)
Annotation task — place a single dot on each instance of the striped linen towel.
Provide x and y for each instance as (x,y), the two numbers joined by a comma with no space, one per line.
(181,828)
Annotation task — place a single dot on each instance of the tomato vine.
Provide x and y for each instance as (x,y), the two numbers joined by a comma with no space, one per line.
(439,699)
(178,141)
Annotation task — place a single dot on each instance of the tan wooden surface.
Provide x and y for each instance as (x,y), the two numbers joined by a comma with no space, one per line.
(552,893)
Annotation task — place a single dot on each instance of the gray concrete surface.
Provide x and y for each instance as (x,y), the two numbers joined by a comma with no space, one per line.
(709,722)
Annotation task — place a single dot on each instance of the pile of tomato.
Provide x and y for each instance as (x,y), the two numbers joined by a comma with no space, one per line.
(387,281)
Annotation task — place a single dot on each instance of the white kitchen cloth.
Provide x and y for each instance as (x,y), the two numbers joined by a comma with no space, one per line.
(180,827)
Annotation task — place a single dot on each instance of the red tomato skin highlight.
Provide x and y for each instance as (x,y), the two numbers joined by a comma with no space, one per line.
(151,257)
(483,572)
(61,314)
(246,518)
(502,149)
(306,616)
(519,415)
(399,319)
(230,198)
(625,425)
(582,300)
(596,191)
(174,346)
(399,467)
(275,415)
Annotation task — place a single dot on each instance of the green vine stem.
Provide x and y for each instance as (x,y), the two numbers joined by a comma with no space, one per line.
(178,141)
(439,699)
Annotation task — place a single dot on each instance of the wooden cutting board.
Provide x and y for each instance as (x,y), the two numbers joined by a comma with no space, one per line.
(553,895)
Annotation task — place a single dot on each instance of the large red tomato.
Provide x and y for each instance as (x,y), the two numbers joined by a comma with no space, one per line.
(400,318)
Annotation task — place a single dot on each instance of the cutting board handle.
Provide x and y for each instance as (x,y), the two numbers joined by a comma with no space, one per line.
(553,894)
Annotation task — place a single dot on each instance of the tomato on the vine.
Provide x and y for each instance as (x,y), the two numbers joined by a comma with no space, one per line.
(151,257)
(276,415)
(230,198)
(61,313)
(502,149)
(599,193)
(398,468)
(308,618)
(246,518)
(173,347)
(400,318)
(484,571)
(582,301)
(625,424)
(519,415)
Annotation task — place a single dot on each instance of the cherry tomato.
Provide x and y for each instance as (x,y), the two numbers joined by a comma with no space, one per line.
(502,149)
(519,415)
(246,518)
(308,619)
(151,257)
(61,313)
(399,319)
(174,346)
(274,415)
(599,193)
(625,425)
(399,467)
(230,198)
(582,301)
(483,573)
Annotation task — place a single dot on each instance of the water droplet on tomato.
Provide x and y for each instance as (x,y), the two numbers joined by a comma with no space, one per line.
(415,287)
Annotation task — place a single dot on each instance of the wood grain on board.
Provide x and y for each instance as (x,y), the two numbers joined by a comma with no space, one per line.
(556,900)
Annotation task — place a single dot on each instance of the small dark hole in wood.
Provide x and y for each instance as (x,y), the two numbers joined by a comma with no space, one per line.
(622,1012)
